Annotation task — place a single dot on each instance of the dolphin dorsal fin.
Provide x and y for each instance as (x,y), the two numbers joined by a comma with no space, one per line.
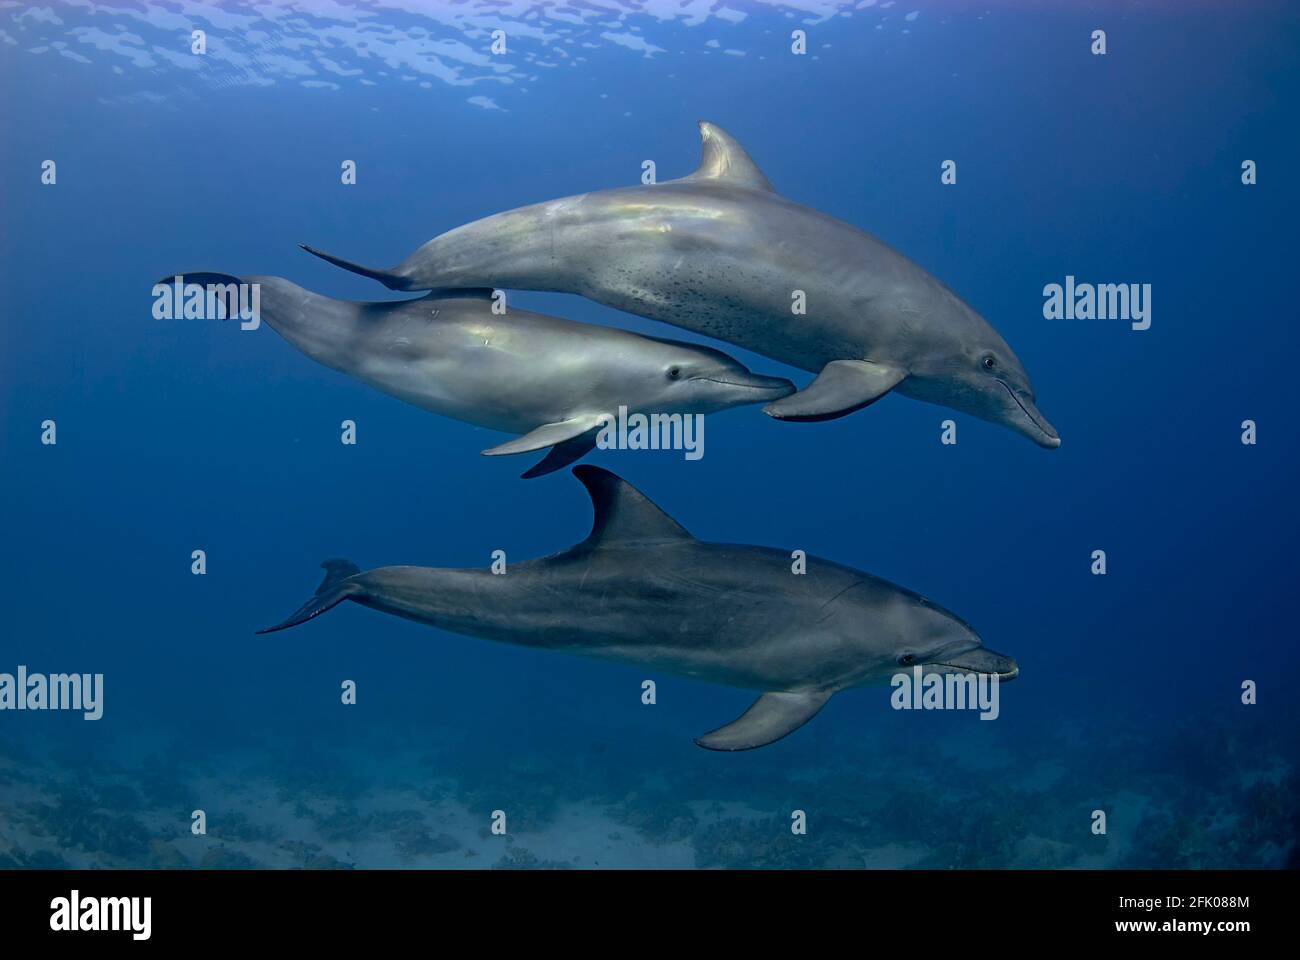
(725,160)
(623,513)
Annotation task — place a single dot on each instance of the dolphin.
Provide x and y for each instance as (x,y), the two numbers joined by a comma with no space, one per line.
(642,590)
(553,381)
(721,253)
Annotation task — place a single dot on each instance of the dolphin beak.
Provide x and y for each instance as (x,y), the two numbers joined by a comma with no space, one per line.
(1027,419)
(764,388)
(978,660)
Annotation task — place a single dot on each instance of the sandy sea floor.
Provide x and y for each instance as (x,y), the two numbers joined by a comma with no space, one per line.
(376,805)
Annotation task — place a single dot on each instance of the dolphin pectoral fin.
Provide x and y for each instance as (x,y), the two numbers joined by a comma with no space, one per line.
(842,387)
(388,278)
(561,455)
(547,435)
(771,717)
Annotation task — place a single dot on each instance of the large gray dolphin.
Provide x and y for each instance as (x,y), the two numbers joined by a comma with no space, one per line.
(719,252)
(642,590)
(549,379)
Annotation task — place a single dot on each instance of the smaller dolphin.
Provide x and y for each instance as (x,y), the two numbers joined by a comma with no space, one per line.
(554,381)
(642,590)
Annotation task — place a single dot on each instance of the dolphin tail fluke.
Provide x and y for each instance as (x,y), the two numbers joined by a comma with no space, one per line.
(202,277)
(337,586)
(389,279)
(771,717)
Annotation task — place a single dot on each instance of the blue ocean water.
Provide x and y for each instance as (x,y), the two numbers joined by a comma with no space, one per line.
(180,435)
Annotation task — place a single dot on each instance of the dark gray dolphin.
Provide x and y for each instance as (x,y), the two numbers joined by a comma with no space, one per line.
(719,252)
(642,590)
(549,379)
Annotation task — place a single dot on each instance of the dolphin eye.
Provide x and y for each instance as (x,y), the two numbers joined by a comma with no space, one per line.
(907,659)
(674,373)
(988,362)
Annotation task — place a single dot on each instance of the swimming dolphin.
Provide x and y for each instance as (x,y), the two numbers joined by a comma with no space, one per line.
(549,379)
(642,590)
(721,253)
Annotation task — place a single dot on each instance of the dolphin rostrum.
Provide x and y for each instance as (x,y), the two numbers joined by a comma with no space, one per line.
(642,590)
(554,381)
(721,253)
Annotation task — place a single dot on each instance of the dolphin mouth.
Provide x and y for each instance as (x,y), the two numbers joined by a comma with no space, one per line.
(979,660)
(769,388)
(1037,428)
